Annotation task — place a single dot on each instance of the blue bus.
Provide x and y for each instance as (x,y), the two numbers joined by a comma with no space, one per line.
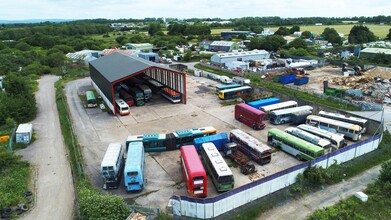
(263,102)
(134,167)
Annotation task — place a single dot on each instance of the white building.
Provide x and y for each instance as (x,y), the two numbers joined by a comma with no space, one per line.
(85,56)
(267,32)
(221,59)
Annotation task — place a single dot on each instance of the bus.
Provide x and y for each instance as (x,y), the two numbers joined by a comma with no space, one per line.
(122,107)
(234,92)
(323,143)
(337,140)
(259,152)
(171,95)
(283,116)
(278,106)
(155,85)
(193,172)
(295,146)
(91,100)
(351,131)
(126,97)
(223,87)
(111,166)
(171,141)
(134,167)
(138,96)
(217,168)
(352,120)
(147,92)
(263,102)
(250,116)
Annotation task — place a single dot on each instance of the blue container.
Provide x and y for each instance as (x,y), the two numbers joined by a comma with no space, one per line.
(301,81)
(263,102)
(219,140)
(286,79)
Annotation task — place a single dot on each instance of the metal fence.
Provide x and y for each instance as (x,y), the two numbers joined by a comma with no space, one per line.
(213,207)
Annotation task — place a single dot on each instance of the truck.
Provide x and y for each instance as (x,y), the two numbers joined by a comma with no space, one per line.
(219,140)
(240,80)
(231,151)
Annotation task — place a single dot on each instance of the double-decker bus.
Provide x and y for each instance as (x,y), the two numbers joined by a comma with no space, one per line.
(263,102)
(155,85)
(122,107)
(234,92)
(283,116)
(171,95)
(337,140)
(147,92)
(91,100)
(138,96)
(171,141)
(278,106)
(134,167)
(351,131)
(352,120)
(323,143)
(193,172)
(293,145)
(250,116)
(111,166)
(224,87)
(259,152)
(216,167)
(126,97)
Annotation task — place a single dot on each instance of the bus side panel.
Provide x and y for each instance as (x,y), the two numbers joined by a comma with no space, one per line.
(170,142)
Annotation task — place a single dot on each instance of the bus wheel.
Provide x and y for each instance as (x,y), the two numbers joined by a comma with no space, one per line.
(254,127)
(298,157)
(283,122)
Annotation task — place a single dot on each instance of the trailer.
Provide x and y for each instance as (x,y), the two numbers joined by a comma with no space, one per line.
(231,151)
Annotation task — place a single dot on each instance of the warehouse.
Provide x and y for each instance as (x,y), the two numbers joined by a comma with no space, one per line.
(230,34)
(225,46)
(221,59)
(144,47)
(371,53)
(108,71)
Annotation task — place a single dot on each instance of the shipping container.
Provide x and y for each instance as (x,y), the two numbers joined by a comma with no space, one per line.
(286,79)
(301,81)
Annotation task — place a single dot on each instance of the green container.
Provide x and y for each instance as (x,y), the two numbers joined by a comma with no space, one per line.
(276,79)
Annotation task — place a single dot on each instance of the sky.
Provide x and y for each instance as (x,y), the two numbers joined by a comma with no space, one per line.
(116,9)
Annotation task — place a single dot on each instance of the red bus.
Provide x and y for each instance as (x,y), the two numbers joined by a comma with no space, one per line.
(250,116)
(193,172)
(126,97)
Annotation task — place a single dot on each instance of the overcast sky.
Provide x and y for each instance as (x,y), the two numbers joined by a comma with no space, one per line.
(114,9)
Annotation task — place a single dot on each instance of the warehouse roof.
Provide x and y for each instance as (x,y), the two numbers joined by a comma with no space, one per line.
(376,50)
(222,43)
(242,54)
(117,66)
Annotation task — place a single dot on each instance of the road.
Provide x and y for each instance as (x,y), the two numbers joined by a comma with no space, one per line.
(324,198)
(48,154)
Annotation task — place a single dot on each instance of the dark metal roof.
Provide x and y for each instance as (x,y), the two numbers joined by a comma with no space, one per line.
(117,66)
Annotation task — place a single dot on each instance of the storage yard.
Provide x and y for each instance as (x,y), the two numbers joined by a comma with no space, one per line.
(96,129)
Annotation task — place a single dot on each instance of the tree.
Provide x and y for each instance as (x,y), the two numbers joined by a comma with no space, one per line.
(294,29)
(23,46)
(306,34)
(360,34)
(298,43)
(56,59)
(256,29)
(331,35)
(154,27)
(283,31)
(121,40)
(389,35)
(385,172)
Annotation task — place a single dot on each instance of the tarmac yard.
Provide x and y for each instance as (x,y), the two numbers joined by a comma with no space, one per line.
(96,129)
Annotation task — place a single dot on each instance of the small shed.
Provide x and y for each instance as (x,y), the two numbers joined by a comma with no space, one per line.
(24,133)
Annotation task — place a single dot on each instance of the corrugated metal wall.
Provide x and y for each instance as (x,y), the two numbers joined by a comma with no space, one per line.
(213,207)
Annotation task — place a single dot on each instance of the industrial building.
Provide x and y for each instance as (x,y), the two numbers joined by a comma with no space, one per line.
(228,34)
(225,46)
(205,44)
(144,47)
(153,57)
(110,70)
(370,52)
(221,59)
(84,56)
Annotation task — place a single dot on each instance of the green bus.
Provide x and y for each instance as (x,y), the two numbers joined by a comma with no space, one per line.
(295,146)
(91,100)
(138,96)
(216,167)
(230,86)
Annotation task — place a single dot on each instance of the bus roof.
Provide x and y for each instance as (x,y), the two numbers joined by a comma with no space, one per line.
(236,89)
(192,160)
(251,141)
(267,108)
(324,113)
(295,140)
(111,155)
(264,101)
(145,137)
(216,159)
(308,136)
(321,132)
(335,122)
(222,87)
(121,103)
(193,131)
(292,110)
(249,108)
(90,95)
(134,156)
